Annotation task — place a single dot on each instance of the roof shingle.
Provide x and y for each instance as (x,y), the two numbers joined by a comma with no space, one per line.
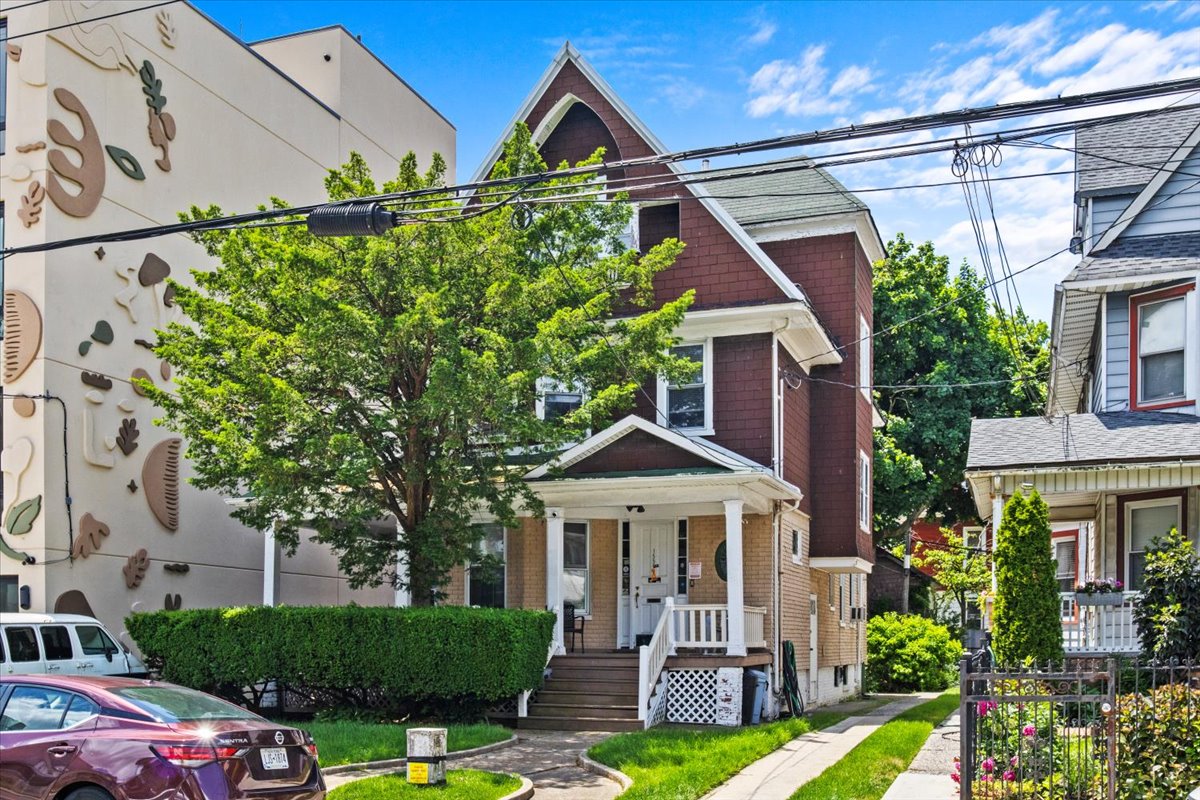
(782,196)
(1127,154)
(1144,256)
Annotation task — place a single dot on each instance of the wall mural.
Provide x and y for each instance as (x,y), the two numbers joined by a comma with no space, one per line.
(161,125)
(96,380)
(172,602)
(127,436)
(91,454)
(24,406)
(22,334)
(166,28)
(135,568)
(14,461)
(73,601)
(102,334)
(91,532)
(89,175)
(125,162)
(30,212)
(160,479)
(132,486)
(177,569)
(140,374)
(152,272)
(101,42)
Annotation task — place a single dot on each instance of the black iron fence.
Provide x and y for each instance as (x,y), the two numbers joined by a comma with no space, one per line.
(1094,729)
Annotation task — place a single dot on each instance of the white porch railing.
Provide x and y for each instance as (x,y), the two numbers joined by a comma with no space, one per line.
(1099,629)
(706,626)
(652,657)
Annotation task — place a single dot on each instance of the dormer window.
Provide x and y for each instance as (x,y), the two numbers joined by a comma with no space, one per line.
(687,405)
(1159,323)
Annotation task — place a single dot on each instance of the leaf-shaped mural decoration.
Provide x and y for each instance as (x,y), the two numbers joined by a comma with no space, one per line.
(135,568)
(128,435)
(15,555)
(152,87)
(21,517)
(126,162)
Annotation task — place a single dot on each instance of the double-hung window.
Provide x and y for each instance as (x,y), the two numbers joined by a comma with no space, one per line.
(1064,557)
(554,400)
(687,405)
(486,573)
(1161,328)
(1146,520)
(864,491)
(577,577)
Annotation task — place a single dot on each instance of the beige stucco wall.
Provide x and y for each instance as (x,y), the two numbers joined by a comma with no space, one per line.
(244,133)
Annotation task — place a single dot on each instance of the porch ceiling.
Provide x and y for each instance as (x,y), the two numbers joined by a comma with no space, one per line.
(701,494)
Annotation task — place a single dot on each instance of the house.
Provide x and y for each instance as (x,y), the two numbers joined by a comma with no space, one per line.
(1117,456)
(885,589)
(722,517)
(121,123)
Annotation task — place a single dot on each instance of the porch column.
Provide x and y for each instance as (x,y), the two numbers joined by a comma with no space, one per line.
(403,596)
(555,517)
(733,574)
(270,595)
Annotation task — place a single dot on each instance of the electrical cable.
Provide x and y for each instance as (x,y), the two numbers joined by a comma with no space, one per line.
(91,19)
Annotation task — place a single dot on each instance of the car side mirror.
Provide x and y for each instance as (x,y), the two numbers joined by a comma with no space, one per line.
(108,653)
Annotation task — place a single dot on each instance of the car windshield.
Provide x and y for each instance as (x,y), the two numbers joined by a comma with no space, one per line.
(175,704)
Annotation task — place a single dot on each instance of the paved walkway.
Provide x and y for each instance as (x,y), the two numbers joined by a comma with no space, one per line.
(928,777)
(545,757)
(777,775)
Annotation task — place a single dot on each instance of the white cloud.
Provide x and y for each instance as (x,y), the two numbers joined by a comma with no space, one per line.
(799,87)
(852,80)
(763,32)
(1081,51)
(681,93)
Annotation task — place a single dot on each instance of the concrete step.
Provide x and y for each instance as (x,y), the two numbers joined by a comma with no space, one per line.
(576,711)
(579,724)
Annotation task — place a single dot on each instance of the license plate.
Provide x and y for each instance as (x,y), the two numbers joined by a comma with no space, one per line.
(274,757)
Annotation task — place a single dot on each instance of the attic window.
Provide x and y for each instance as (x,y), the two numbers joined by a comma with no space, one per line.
(1159,335)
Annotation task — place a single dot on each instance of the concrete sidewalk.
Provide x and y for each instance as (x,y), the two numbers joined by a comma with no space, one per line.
(928,777)
(777,775)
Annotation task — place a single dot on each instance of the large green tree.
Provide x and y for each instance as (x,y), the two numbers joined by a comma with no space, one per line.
(962,571)
(340,381)
(1027,622)
(958,337)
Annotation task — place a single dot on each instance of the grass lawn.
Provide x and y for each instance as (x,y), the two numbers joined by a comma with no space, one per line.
(461,784)
(349,742)
(867,771)
(675,762)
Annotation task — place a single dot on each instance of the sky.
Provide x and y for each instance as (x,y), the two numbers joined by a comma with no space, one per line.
(709,73)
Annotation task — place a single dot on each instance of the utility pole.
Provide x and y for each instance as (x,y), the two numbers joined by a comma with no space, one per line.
(907,569)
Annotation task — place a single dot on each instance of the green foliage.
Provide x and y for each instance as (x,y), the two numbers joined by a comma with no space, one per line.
(343,380)
(1158,753)
(960,571)
(443,658)
(1027,622)
(461,784)
(909,653)
(1168,612)
(352,742)
(921,452)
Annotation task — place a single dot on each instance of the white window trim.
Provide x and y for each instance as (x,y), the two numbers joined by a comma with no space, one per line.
(1130,506)
(587,526)
(841,607)
(551,386)
(864,491)
(707,376)
(467,571)
(832,602)
(1191,351)
(864,356)
(1054,545)
(797,545)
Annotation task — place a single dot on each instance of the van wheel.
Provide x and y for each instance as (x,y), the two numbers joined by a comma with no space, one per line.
(88,793)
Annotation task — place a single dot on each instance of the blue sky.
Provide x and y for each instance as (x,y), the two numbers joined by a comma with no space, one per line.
(706,73)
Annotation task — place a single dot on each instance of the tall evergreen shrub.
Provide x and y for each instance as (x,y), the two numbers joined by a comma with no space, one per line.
(1027,624)
(1168,613)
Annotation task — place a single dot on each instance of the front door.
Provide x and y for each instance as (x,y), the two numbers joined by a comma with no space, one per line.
(652,572)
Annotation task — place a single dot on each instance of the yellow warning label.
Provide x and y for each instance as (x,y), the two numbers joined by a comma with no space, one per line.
(418,773)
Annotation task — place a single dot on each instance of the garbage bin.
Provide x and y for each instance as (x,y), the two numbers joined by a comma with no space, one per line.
(754,687)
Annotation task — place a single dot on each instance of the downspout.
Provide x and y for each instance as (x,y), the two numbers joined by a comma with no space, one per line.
(777,607)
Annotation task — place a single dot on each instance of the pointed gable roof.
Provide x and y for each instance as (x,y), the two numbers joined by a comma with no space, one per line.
(576,77)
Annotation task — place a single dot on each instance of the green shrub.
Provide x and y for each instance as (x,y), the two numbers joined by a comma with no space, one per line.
(413,659)
(1158,752)
(1028,612)
(909,653)
(1168,612)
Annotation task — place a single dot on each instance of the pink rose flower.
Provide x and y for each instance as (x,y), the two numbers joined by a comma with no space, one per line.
(1029,730)
(989,764)
(1012,762)
(954,776)
(1009,775)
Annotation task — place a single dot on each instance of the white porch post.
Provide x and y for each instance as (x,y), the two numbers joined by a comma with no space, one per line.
(555,517)
(403,596)
(733,573)
(270,596)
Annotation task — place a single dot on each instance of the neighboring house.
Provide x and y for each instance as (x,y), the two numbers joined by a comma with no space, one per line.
(741,499)
(1118,456)
(885,590)
(189,115)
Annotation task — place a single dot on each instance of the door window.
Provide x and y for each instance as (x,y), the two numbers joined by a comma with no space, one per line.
(56,642)
(80,710)
(485,579)
(94,641)
(577,589)
(22,645)
(35,708)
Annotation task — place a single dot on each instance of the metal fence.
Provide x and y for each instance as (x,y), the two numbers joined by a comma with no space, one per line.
(1068,732)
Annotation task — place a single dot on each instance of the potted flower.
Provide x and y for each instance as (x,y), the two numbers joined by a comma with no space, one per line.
(1102,592)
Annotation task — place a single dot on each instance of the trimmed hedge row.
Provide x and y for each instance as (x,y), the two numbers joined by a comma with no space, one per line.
(408,655)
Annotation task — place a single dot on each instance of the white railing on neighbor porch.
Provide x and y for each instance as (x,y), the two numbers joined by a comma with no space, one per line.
(652,657)
(1099,629)
(706,626)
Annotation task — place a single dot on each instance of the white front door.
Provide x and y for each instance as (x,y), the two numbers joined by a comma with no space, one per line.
(652,572)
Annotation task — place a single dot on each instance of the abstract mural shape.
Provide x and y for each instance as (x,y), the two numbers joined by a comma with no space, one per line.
(172,602)
(177,569)
(30,211)
(15,460)
(24,406)
(132,486)
(96,379)
(126,296)
(169,296)
(166,28)
(91,532)
(32,147)
(84,347)
(140,374)
(100,253)
(162,133)
(164,369)
(20,518)
(144,343)
(22,334)
(14,51)
(126,405)
(89,175)
(73,601)
(128,435)
(125,162)
(160,479)
(135,568)
(153,270)
(16,555)
(91,454)
(102,333)
(152,88)
(100,41)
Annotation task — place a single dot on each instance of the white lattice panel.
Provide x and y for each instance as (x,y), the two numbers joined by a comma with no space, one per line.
(658,705)
(692,696)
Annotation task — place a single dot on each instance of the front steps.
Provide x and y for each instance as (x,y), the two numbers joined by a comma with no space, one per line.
(587,692)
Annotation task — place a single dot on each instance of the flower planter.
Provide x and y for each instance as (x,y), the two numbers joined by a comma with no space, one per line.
(1099,599)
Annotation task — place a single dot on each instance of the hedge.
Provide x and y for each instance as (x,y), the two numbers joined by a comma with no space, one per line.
(409,656)
(909,653)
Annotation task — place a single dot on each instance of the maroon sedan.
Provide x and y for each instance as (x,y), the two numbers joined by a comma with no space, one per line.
(84,738)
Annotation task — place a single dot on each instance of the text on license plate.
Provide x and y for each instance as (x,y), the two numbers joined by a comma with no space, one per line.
(274,757)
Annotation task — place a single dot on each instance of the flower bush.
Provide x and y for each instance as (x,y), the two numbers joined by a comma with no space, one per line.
(1101,586)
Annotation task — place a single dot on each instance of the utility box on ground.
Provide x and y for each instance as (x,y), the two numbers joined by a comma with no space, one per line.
(427,756)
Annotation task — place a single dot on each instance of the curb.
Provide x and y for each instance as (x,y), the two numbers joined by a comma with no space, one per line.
(525,792)
(604,771)
(342,769)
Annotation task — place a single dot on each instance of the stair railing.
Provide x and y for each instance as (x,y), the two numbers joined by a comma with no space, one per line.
(652,657)
(524,697)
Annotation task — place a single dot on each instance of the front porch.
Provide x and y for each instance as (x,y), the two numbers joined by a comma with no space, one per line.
(1092,630)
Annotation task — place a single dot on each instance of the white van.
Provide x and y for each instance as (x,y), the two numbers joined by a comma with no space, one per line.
(62,644)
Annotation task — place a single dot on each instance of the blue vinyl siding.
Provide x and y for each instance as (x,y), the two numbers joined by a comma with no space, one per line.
(1106,211)
(1176,207)
(1116,344)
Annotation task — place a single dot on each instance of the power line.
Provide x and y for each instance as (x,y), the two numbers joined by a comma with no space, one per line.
(89,19)
(11,9)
